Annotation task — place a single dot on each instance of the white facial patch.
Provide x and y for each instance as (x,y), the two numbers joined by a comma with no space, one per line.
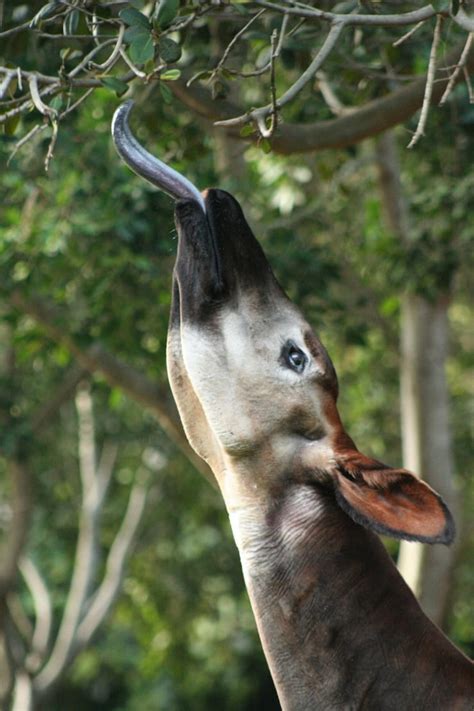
(236,370)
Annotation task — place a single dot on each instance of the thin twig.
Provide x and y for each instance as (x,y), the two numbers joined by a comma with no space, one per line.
(138,72)
(36,129)
(400,20)
(115,52)
(36,98)
(408,34)
(43,612)
(329,96)
(6,82)
(55,89)
(268,65)
(15,30)
(42,78)
(470,91)
(52,143)
(420,129)
(83,64)
(234,40)
(324,51)
(460,66)
(261,123)
(26,26)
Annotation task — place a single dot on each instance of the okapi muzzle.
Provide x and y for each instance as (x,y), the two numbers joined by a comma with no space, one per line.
(218,257)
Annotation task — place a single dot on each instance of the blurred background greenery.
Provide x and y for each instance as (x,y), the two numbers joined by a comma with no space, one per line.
(95,246)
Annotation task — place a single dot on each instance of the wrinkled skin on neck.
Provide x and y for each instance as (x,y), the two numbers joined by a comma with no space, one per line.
(257,395)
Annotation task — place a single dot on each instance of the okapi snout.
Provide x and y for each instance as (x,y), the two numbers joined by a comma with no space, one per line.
(218,255)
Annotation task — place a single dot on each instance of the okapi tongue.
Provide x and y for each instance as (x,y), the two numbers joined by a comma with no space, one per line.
(147,166)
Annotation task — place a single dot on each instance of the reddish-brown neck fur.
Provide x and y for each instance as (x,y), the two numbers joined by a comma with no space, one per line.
(339,626)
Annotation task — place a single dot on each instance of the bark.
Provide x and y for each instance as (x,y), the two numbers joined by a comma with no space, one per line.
(87,548)
(23,694)
(371,119)
(424,402)
(86,608)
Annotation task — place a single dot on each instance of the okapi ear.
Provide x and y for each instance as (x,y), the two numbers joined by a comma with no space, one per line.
(390,501)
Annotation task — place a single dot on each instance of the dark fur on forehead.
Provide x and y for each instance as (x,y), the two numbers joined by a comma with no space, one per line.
(328,377)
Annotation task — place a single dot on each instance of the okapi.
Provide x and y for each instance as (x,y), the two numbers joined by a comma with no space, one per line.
(256,392)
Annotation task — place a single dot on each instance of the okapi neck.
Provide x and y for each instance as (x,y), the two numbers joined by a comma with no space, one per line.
(339,627)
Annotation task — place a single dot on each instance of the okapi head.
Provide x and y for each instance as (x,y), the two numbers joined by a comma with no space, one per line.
(255,387)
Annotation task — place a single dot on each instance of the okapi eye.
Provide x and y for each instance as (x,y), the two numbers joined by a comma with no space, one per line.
(293,357)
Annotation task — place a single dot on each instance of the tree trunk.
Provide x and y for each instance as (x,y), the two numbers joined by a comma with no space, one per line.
(425,409)
(424,403)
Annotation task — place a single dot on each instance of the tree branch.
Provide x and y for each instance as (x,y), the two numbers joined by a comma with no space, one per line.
(110,587)
(461,66)
(18,525)
(354,20)
(369,120)
(66,389)
(462,19)
(87,453)
(86,549)
(259,115)
(420,129)
(43,613)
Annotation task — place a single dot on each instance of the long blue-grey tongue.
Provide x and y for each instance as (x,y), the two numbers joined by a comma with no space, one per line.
(147,166)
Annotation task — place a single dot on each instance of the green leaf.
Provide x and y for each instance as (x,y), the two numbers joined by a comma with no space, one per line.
(265,145)
(169,50)
(57,103)
(440,5)
(166,12)
(134,33)
(45,11)
(11,125)
(247,130)
(71,22)
(227,75)
(68,53)
(170,75)
(134,18)
(219,90)
(389,306)
(239,6)
(117,85)
(149,66)
(204,74)
(166,93)
(454,7)
(142,50)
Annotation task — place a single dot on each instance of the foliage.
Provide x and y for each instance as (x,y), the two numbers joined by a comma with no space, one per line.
(56,54)
(99,244)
